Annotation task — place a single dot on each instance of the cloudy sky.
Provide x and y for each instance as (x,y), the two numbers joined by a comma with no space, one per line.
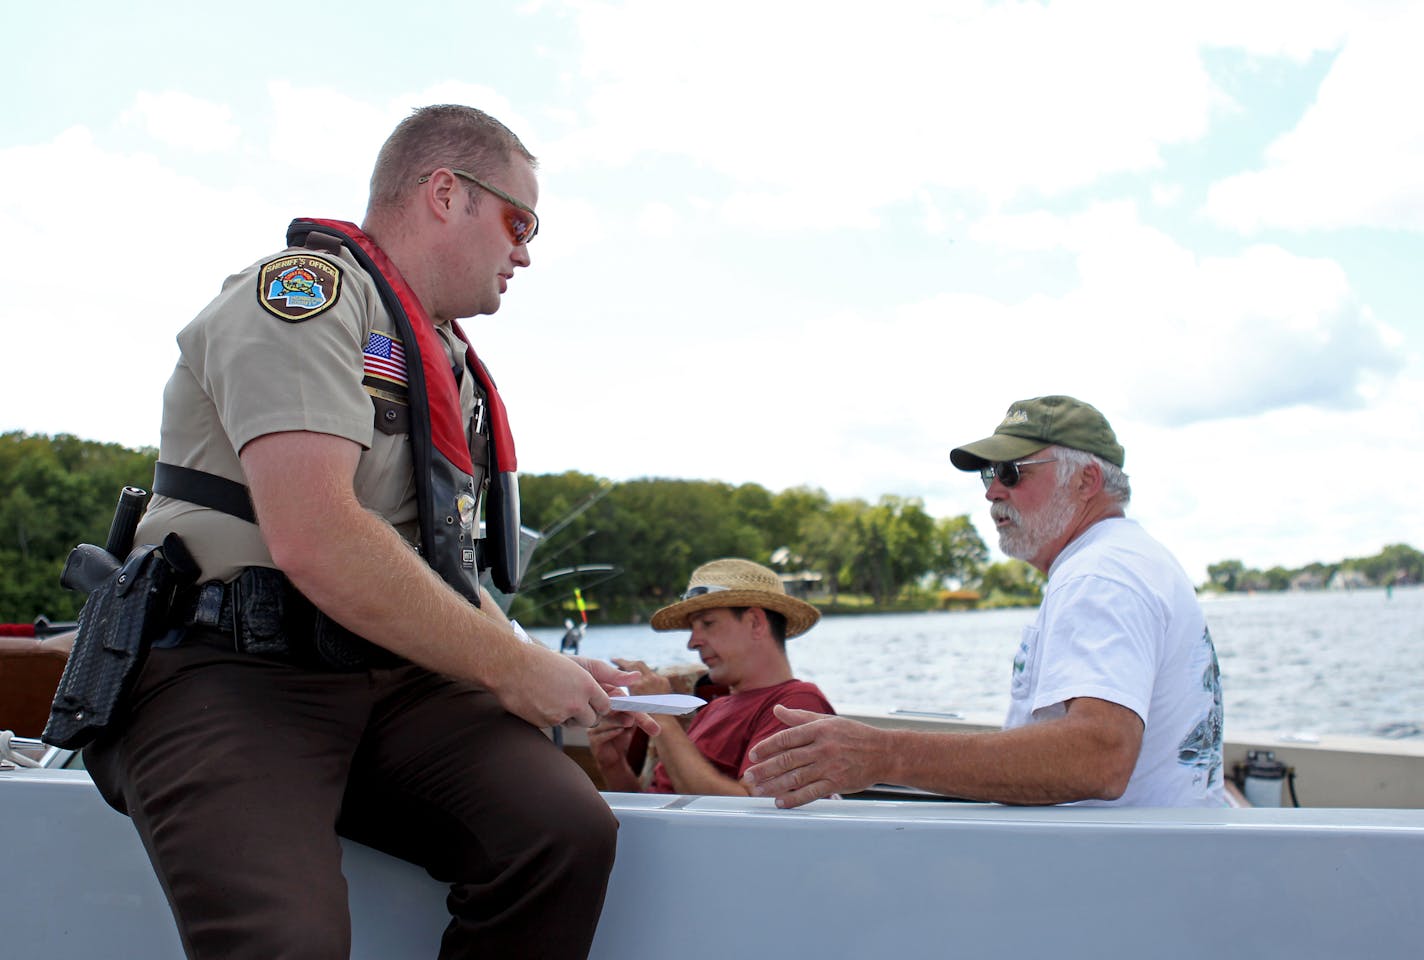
(794,242)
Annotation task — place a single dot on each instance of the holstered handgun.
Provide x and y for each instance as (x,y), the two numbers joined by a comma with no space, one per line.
(88,565)
(130,602)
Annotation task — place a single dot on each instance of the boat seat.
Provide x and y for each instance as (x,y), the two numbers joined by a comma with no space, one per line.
(30,668)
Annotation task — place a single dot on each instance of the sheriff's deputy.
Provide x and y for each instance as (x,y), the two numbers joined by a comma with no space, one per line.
(327,438)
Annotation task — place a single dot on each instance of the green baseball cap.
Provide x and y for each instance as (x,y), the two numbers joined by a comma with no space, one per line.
(1031,425)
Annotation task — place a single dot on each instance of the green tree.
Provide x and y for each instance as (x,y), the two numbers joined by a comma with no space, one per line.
(1225,574)
(959,552)
(1395,564)
(896,547)
(792,509)
(830,541)
(56,492)
(1276,578)
(1012,583)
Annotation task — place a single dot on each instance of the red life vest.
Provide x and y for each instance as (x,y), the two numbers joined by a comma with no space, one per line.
(447,495)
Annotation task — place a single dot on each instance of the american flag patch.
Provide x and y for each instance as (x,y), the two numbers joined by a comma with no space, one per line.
(385,358)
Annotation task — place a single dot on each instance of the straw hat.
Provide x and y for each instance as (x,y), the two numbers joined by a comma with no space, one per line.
(736,583)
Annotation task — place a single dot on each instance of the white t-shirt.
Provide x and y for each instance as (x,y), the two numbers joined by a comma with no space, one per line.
(1120,622)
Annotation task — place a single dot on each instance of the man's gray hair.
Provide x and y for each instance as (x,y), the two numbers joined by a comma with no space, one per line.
(1115,483)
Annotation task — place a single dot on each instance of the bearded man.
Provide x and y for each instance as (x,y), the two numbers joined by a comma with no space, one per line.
(1116,694)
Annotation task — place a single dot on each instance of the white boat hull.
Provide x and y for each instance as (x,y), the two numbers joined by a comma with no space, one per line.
(715,877)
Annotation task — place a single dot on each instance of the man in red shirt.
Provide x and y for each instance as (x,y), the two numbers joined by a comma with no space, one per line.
(740,617)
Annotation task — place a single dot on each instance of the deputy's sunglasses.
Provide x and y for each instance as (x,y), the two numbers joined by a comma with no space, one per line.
(523,228)
(1007,471)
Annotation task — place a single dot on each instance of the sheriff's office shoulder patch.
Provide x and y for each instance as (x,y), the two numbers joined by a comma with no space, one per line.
(298,287)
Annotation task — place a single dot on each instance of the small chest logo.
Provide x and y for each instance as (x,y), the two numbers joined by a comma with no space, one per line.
(299,287)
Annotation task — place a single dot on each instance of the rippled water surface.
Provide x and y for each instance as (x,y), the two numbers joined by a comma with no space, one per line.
(1325,662)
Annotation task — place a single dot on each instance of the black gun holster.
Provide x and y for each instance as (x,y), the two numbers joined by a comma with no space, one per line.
(124,614)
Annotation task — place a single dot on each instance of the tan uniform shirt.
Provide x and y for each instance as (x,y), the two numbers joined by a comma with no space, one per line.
(245,372)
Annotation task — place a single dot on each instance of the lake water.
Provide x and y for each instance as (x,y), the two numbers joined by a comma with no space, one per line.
(1348,662)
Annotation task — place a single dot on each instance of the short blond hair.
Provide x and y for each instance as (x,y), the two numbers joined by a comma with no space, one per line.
(442,135)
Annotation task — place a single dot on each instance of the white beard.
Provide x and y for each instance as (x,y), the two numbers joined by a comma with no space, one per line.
(1025,537)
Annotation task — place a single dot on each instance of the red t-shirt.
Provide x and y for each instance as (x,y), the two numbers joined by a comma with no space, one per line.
(729,726)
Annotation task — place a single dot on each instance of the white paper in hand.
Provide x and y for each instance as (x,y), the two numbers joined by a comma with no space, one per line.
(674,703)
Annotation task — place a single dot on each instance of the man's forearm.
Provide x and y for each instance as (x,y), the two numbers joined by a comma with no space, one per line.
(688,769)
(1058,761)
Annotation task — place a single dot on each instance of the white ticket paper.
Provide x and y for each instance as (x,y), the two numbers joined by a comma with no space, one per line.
(674,703)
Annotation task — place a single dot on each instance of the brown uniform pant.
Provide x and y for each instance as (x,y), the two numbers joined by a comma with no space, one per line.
(239,773)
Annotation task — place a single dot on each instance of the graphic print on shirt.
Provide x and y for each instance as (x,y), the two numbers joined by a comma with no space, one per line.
(1201,748)
(1019,684)
(298,287)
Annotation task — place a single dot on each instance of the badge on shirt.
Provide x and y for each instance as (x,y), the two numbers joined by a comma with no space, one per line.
(298,287)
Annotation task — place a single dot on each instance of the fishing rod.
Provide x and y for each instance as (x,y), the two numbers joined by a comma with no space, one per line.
(605,488)
(585,570)
(545,561)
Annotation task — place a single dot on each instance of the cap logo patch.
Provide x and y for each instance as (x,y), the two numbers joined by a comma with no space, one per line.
(298,287)
(1015,418)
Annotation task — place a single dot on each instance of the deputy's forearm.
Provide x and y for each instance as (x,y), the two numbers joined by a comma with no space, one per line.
(688,769)
(358,570)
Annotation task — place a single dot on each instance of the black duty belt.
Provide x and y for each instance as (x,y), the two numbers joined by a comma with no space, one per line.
(268,617)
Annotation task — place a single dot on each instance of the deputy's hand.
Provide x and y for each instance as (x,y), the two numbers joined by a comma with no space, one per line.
(647,680)
(816,756)
(614,682)
(551,690)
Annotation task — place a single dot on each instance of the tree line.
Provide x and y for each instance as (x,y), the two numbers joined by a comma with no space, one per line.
(628,547)
(890,554)
(1396,565)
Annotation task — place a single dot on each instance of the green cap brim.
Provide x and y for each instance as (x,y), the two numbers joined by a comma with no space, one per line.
(995,449)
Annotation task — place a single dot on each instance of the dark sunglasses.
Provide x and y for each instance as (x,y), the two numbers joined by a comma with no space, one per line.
(523,228)
(1007,471)
(700,591)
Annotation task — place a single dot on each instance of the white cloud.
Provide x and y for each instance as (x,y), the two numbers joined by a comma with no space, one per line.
(113,275)
(337,135)
(1279,28)
(1357,156)
(835,107)
(1286,487)
(182,120)
(1166,194)
(1253,387)
(1184,338)
(659,220)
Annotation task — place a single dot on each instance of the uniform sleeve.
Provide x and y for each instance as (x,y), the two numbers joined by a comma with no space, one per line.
(1102,639)
(266,374)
